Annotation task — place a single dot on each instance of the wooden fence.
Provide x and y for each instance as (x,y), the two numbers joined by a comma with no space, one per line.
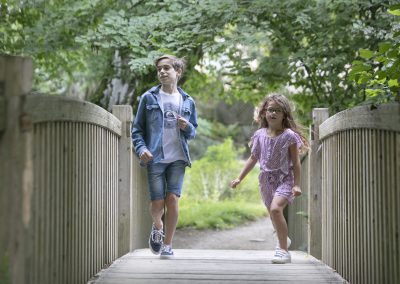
(304,215)
(357,192)
(297,213)
(361,193)
(67,207)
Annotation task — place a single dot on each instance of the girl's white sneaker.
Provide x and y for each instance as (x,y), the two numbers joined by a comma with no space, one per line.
(281,256)
(289,241)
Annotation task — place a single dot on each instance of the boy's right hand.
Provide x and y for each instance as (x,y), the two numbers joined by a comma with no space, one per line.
(234,183)
(146,157)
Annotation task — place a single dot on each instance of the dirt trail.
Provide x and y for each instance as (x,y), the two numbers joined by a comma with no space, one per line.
(251,236)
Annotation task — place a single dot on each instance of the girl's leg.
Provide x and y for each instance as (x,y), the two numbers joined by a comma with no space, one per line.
(276,212)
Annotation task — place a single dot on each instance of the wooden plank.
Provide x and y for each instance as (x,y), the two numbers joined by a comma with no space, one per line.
(124,114)
(215,266)
(396,201)
(141,220)
(3,113)
(319,115)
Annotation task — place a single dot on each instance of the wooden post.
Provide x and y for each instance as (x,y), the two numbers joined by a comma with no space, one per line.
(16,171)
(141,219)
(319,115)
(124,114)
(2,110)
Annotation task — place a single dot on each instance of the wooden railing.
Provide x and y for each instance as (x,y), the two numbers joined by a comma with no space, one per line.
(74,202)
(304,215)
(69,203)
(298,214)
(354,194)
(361,193)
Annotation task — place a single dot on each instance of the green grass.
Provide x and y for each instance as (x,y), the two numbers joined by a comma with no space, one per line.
(217,215)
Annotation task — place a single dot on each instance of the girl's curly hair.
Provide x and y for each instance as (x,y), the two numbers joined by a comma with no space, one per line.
(288,120)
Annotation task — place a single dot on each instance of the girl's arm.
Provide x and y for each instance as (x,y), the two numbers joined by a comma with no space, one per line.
(294,156)
(250,163)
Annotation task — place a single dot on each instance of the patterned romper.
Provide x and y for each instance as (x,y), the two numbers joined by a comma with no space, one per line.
(276,169)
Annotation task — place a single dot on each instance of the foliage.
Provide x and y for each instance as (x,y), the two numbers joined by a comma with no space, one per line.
(378,71)
(208,201)
(306,44)
(208,134)
(65,37)
(217,215)
(208,178)
(46,31)
(241,49)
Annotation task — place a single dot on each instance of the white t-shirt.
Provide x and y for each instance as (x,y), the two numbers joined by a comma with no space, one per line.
(171,144)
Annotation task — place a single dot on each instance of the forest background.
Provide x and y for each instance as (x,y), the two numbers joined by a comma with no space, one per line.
(320,53)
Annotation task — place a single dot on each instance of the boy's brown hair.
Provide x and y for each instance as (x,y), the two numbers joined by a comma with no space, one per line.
(177,63)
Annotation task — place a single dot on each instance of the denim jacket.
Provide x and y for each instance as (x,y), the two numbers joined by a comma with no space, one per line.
(148,125)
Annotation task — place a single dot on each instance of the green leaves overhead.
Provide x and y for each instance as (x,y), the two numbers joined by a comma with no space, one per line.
(241,49)
(145,31)
(378,73)
(310,46)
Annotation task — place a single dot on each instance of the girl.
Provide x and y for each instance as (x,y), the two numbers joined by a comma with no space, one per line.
(275,145)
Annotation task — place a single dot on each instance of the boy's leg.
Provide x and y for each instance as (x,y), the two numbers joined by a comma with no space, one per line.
(279,221)
(174,180)
(156,182)
(171,218)
(156,238)
(156,212)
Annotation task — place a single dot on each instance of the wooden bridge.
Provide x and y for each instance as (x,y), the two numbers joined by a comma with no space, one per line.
(73,204)
(215,266)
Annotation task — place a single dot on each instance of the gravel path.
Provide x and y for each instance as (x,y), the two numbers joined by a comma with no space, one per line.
(251,236)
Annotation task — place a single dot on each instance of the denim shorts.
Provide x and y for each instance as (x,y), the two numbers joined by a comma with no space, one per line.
(165,178)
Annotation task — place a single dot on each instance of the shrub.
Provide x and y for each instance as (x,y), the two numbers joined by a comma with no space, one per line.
(208,201)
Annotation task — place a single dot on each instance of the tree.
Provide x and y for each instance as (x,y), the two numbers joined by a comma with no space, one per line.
(46,31)
(247,47)
(308,45)
(378,71)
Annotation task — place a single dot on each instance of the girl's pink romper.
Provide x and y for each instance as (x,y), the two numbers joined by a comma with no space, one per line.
(276,169)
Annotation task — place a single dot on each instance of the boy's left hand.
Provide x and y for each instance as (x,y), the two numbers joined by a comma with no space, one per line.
(296,190)
(182,123)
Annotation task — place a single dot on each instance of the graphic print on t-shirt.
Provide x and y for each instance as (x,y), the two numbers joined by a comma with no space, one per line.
(170,115)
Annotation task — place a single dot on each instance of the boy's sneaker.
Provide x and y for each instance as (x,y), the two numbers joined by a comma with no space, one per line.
(167,253)
(156,240)
(281,256)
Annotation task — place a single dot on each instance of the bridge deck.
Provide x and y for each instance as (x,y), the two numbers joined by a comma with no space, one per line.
(215,266)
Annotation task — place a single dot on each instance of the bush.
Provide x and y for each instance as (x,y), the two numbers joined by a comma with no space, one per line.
(218,215)
(209,176)
(208,201)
